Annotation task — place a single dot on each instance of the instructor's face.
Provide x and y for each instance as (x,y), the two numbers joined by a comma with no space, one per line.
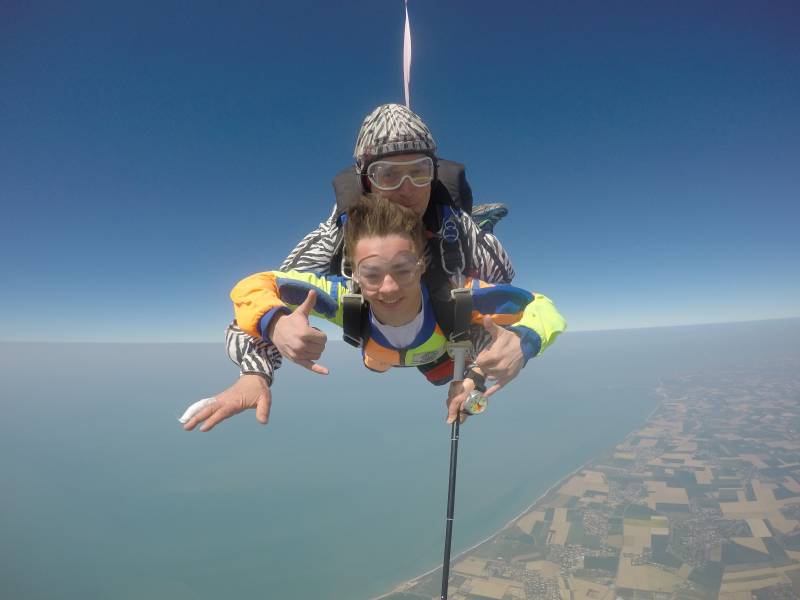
(408,195)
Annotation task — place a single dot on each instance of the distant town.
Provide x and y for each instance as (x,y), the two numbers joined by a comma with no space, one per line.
(702,502)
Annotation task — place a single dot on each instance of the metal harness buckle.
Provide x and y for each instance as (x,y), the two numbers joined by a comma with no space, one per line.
(450,245)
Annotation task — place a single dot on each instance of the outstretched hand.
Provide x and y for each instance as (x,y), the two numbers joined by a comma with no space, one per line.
(250,391)
(296,339)
(502,359)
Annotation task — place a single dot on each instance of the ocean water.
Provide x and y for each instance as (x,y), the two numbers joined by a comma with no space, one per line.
(342,496)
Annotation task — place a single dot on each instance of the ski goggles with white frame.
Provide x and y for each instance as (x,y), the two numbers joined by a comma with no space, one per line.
(371,272)
(388,175)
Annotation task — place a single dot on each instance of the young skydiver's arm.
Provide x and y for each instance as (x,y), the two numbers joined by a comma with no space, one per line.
(259,298)
(543,319)
(510,326)
(313,253)
(533,317)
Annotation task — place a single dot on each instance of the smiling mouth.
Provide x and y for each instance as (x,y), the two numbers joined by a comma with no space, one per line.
(389,302)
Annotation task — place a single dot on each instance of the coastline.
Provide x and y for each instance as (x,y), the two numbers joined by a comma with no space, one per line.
(412,582)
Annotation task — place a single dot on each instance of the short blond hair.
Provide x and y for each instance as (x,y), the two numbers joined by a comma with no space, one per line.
(372,216)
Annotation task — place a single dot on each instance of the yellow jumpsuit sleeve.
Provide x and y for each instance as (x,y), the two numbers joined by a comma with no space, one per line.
(542,317)
(259,297)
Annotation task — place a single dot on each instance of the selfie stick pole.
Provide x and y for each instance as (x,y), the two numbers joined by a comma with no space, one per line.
(459,359)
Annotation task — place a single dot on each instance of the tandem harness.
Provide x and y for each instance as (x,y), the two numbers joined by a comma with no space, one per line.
(456,310)
(451,257)
(452,304)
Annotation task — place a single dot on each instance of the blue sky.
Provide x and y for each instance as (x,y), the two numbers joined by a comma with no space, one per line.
(152,155)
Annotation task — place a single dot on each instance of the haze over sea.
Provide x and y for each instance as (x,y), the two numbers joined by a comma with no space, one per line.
(341,496)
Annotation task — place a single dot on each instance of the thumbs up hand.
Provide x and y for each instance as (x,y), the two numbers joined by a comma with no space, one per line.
(296,339)
(502,359)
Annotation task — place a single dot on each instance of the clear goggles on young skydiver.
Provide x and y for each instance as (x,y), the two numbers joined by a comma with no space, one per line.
(388,175)
(371,272)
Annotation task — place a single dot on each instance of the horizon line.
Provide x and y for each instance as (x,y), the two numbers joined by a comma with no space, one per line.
(601,329)
(699,324)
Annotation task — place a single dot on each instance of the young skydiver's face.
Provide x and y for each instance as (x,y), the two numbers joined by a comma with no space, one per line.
(388,269)
(409,195)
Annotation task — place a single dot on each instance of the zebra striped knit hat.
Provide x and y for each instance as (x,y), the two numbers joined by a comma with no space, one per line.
(391,129)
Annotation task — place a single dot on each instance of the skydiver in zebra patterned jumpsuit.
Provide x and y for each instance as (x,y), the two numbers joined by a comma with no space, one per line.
(392,140)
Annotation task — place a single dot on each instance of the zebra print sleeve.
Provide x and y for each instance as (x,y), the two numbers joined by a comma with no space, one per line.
(489,258)
(251,354)
(313,253)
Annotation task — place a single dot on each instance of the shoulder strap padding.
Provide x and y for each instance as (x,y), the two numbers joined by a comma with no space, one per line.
(454,178)
(347,187)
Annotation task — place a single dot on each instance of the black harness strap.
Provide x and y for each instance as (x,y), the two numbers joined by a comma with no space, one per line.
(453,313)
(462,314)
(355,320)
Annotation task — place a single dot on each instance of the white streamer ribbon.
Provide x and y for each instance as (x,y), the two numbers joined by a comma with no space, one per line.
(407,57)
